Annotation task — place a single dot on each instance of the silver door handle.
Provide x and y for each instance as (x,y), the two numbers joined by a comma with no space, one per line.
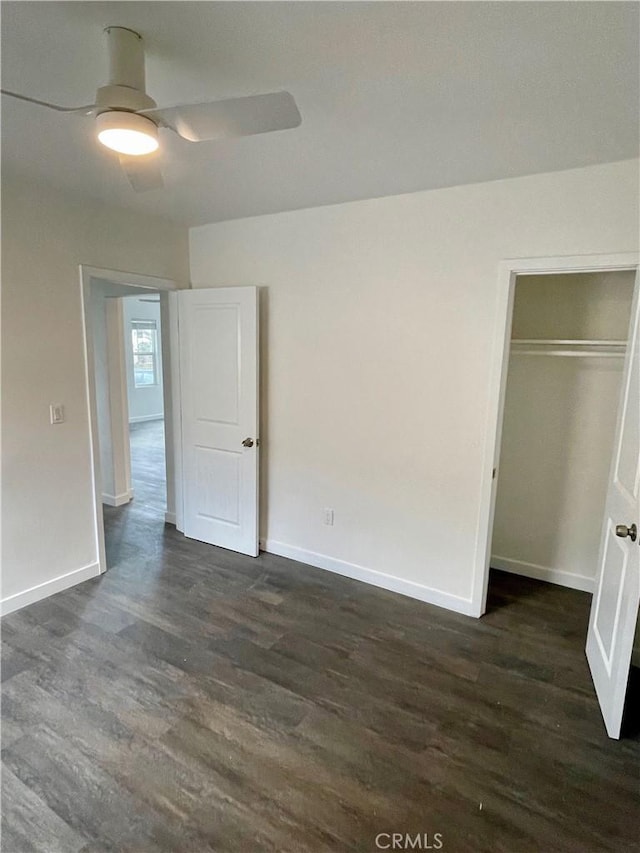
(248,442)
(622,531)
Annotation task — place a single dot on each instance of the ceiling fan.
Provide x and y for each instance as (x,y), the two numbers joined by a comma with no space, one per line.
(127,119)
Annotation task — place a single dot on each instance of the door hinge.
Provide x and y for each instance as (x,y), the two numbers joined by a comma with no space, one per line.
(493,474)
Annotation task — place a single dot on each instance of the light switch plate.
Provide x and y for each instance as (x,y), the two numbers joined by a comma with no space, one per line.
(56,413)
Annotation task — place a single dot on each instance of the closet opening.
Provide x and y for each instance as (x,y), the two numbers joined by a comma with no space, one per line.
(565,367)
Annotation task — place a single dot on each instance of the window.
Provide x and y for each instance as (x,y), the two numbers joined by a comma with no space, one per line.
(144,339)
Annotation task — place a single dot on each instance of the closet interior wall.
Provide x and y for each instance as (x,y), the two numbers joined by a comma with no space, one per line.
(563,385)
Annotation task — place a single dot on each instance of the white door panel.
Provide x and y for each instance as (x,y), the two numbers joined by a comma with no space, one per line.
(218,330)
(614,609)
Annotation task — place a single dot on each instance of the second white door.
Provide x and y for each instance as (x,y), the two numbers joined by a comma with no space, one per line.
(218,332)
(614,609)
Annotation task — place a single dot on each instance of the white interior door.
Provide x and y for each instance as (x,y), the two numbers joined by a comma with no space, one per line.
(614,609)
(218,331)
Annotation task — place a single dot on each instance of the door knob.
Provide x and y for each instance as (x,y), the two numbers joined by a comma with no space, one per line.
(622,530)
(248,442)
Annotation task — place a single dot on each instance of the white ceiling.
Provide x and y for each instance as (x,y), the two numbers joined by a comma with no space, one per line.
(395,97)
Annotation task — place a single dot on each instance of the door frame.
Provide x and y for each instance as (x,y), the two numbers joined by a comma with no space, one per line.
(509,270)
(164,286)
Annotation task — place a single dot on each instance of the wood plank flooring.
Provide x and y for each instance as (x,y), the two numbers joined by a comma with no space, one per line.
(193,699)
(148,466)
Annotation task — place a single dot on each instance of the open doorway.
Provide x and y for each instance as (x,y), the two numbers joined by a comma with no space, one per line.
(130,408)
(142,341)
(210,375)
(584,435)
(565,366)
(128,376)
(509,273)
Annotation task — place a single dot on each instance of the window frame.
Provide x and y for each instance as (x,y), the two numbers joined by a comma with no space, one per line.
(138,325)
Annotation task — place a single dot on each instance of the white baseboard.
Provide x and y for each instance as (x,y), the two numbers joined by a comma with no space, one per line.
(370,576)
(544,573)
(170,518)
(140,418)
(50,587)
(117,500)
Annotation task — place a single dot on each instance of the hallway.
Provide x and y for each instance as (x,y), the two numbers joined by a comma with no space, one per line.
(131,529)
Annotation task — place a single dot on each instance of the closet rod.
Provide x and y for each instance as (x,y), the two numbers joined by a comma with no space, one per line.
(569,353)
(576,342)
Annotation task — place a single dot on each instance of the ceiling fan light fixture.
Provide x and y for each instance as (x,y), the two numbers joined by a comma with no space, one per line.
(127,133)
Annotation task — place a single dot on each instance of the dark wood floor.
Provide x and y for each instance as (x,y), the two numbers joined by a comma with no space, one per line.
(149,489)
(195,700)
(148,466)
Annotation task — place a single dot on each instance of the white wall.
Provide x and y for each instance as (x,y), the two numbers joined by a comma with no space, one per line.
(146,403)
(378,327)
(107,326)
(48,535)
(559,426)
(101,354)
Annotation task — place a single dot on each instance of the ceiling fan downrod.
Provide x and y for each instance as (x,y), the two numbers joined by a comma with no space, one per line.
(125,89)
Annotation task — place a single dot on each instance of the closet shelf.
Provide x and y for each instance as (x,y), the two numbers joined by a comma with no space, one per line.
(569,347)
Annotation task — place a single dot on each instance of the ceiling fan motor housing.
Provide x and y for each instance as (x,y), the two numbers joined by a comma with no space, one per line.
(126,87)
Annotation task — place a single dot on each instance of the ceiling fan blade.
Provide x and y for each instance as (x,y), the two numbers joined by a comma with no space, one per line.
(85,109)
(143,172)
(230,118)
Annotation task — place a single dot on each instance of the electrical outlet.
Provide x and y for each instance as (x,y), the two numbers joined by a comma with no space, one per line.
(56,413)
(328,517)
